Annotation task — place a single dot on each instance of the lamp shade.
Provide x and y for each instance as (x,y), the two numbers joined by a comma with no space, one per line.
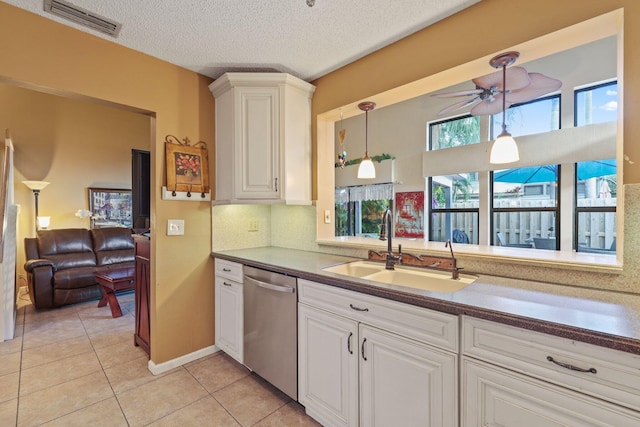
(366,170)
(35,185)
(504,149)
(44,221)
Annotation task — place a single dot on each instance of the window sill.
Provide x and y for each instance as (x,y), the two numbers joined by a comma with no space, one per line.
(536,257)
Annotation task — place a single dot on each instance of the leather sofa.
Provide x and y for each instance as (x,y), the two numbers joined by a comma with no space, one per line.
(61,263)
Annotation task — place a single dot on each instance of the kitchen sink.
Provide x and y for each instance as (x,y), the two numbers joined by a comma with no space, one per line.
(411,277)
(356,268)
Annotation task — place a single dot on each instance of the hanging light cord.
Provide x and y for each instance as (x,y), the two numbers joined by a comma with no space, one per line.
(366,133)
(504,98)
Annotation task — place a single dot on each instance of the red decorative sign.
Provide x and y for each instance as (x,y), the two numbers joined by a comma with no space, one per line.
(410,215)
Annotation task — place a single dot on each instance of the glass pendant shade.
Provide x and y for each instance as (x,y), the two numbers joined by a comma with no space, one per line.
(504,149)
(366,170)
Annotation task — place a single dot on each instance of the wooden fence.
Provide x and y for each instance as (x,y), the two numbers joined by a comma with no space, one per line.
(596,230)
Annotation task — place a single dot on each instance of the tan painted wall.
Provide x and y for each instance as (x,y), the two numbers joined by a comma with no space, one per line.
(73,145)
(37,52)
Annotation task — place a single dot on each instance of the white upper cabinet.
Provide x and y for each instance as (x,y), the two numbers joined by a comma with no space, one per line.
(263,138)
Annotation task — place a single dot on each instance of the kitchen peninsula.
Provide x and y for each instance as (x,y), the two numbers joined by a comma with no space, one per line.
(510,338)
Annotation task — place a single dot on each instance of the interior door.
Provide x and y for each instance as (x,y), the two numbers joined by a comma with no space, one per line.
(140,189)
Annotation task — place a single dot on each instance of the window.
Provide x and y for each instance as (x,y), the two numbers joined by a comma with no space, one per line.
(454,132)
(359,209)
(525,204)
(453,199)
(595,181)
(454,205)
(526,219)
(538,116)
(596,104)
(596,207)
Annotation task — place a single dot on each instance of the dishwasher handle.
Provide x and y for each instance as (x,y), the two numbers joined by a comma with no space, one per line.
(270,286)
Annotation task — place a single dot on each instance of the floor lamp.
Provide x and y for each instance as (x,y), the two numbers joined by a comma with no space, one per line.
(36,186)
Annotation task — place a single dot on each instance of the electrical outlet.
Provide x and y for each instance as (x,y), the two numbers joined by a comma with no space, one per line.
(327,216)
(175,227)
(253,225)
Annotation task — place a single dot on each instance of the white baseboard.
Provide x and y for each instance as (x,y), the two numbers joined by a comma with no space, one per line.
(157,369)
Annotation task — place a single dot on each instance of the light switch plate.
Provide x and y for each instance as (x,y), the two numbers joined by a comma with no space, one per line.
(175,227)
(327,216)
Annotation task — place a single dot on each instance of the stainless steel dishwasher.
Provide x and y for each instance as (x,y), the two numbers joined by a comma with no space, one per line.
(270,328)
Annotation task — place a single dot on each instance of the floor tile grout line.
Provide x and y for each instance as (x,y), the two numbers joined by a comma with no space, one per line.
(104,372)
(58,384)
(222,388)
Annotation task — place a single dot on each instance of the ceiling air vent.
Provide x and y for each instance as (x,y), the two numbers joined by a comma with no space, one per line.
(82,16)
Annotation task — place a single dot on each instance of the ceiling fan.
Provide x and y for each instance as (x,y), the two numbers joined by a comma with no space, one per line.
(517,86)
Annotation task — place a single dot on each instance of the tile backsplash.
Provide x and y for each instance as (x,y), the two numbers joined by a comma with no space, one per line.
(295,227)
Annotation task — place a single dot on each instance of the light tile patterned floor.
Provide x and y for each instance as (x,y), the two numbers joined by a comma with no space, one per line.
(77,366)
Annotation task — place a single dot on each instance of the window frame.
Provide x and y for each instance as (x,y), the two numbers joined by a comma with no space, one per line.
(577,210)
(493,210)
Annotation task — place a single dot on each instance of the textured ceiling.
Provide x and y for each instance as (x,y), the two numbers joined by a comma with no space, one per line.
(214,36)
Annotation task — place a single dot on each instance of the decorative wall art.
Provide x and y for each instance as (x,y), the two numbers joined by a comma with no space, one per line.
(410,215)
(187,166)
(110,207)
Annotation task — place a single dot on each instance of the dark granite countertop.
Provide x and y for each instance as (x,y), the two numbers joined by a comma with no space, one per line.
(609,319)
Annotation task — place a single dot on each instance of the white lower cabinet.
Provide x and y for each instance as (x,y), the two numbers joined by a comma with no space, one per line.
(352,372)
(511,377)
(229,310)
(405,383)
(328,366)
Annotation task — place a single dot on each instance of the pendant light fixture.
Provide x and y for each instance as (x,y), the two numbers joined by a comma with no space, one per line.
(504,149)
(366,170)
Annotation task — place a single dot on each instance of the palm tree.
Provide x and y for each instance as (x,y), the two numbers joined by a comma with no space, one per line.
(458,132)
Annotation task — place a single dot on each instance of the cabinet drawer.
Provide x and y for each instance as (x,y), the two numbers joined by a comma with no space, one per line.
(605,373)
(230,270)
(492,396)
(428,326)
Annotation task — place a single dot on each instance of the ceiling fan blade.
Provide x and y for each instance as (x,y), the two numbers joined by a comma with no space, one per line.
(458,93)
(516,78)
(458,106)
(487,108)
(540,85)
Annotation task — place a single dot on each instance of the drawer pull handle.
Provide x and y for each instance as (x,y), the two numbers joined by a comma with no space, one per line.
(573,368)
(362,349)
(228,270)
(227,284)
(353,307)
(349,343)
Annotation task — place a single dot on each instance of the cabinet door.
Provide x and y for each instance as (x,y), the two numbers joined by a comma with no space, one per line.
(494,396)
(328,366)
(404,382)
(258,143)
(229,317)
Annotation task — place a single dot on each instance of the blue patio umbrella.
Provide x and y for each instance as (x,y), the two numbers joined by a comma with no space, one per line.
(547,173)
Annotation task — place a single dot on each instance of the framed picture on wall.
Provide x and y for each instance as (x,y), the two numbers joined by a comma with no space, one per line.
(110,207)
(187,165)
(410,214)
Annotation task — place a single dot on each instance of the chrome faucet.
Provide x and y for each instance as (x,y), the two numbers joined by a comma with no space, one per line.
(385,229)
(455,270)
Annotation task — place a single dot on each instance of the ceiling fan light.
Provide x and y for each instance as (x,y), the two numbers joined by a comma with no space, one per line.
(366,170)
(504,149)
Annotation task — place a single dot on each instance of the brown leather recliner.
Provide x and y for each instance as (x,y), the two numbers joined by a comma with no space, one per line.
(61,263)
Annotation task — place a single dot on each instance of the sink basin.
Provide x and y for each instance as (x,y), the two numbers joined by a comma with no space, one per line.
(356,268)
(416,278)
(427,280)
